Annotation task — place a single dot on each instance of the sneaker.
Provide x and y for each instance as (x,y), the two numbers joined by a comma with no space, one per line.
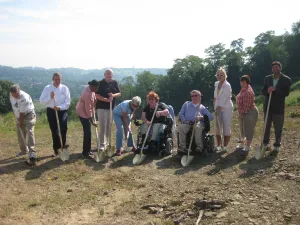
(102,147)
(32,155)
(266,147)
(218,148)
(276,149)
(20,154)
(119,151)
(225,148)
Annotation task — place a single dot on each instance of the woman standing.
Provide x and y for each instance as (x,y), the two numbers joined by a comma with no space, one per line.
(248,113)
(85,111)
(224,109)
(121,116)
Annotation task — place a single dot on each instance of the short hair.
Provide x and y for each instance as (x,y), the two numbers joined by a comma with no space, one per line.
(245,78)
(57,74)
(195,91)
(136,100)
(94,83)
(152,94)
(277,63)
(15,88)
(109,70)
(221,69)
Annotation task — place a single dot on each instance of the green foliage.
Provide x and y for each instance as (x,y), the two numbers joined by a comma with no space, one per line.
(7,122)
(295,86)
(294,114)
(5,105)
(72,110)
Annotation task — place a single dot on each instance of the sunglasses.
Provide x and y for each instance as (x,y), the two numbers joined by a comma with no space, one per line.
(194,96)
(220,75)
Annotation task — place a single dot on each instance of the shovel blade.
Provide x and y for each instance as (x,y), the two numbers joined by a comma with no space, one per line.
(63,154)
(259,152)
(110,151)
(96,156)
(186,160)
(138,159)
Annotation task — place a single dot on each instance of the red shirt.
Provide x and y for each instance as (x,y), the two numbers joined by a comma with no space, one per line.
(245,100)
(87,101)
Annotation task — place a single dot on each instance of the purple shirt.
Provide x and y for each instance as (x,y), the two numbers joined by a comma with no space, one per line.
(188,112)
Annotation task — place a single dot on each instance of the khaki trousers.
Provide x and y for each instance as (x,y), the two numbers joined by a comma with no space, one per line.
(184,129)
(27,128)
(104,124)
(248,123)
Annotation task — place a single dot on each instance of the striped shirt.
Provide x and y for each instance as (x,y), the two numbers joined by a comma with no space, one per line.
(245,100)
(123,107)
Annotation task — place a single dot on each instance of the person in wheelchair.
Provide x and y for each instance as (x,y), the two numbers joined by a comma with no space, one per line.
(187,117)
(159,123)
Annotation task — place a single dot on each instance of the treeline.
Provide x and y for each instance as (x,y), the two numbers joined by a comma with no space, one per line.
(193,72)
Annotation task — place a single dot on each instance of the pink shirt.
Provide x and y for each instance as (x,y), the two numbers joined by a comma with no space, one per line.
(87,101)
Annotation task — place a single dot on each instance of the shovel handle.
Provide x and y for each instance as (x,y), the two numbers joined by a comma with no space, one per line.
(96,130)
(144,142)
(58,125)
(266,119)
(193,131)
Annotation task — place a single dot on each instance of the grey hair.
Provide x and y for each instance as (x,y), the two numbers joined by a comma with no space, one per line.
(14,88)
(195,91)
(112,72)
(136,100)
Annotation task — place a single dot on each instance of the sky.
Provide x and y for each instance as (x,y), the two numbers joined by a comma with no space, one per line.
(94,34)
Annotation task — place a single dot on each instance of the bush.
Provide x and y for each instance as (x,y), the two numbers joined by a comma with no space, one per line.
(295,86)
(294,114)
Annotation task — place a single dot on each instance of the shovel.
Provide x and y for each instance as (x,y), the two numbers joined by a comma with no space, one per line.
(62,152)
(187,159)
(27,150)
(99,156)
(260,150)
(127,136)
(110,150)
(138,158)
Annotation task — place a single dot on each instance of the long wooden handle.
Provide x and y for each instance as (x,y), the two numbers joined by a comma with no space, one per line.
(149,129)
(193,131)
(58,125)
(219,125)
(96,130)
(266,119)
(110,117)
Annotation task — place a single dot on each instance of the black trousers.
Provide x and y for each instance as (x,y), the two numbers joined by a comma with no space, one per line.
(277,120)
(63,120)
(87,136)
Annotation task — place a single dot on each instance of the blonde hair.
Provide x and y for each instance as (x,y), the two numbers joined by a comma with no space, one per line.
(221,69)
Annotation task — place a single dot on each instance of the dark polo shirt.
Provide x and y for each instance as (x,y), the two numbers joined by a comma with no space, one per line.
(103,90)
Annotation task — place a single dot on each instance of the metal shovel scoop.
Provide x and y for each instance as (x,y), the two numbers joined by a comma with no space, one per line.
(187,159)
(260,150)
(139,158)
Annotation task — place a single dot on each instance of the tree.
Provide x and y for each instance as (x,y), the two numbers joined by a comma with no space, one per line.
(5,105)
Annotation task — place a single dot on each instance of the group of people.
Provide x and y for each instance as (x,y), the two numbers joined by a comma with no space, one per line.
(99,97)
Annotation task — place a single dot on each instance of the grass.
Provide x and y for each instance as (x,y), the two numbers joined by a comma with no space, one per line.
(84,192)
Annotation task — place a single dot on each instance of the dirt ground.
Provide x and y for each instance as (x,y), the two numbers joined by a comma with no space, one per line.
(159,191)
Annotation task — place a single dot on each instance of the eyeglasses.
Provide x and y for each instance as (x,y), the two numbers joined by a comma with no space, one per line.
(194,96)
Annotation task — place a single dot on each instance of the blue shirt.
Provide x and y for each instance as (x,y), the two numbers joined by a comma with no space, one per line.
(188,112)
(123,107)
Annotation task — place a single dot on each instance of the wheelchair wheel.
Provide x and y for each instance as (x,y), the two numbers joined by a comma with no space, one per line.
(169,146)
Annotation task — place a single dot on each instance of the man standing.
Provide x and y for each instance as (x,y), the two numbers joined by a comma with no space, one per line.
(24,112)
(56,97)
(279,85)
(107,93)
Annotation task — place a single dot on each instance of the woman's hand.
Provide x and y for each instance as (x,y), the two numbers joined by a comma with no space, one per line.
(148,123)
(158,114)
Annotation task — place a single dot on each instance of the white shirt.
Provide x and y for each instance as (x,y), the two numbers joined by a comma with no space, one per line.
(23,104)
(62,96)
(223,99)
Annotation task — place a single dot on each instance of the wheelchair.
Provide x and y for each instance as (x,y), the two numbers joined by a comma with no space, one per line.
(165,143)
(207,138)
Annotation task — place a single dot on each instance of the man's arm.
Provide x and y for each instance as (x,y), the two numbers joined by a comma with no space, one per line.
(181,114)
(66,104)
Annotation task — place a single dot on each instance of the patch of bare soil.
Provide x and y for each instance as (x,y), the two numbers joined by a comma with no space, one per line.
(219,189)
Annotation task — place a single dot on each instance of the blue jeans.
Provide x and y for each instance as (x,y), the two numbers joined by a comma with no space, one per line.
(120,126)
(87,136)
